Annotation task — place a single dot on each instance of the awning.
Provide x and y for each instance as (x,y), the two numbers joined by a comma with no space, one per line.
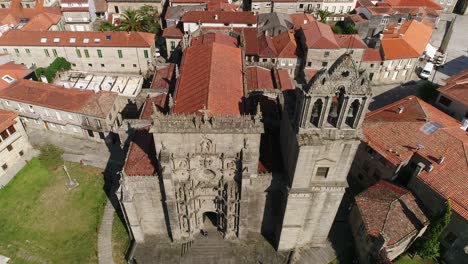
(430,51)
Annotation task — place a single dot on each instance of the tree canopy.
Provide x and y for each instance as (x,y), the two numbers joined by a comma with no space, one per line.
(144,19)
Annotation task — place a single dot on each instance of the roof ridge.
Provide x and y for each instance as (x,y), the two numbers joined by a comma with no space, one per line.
(211,68)
(379,110)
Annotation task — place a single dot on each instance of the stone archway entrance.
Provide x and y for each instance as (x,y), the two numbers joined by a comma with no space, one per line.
(210,220)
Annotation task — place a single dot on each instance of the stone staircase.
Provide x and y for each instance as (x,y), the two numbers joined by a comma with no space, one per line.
(212,249)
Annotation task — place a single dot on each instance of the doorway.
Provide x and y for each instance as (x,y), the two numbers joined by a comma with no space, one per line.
(210,220)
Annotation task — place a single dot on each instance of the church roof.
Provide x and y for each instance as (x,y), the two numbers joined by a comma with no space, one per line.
(211,78)
(141,157)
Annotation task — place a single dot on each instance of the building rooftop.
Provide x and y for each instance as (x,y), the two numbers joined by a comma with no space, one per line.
(319,36)
(77,39)
(424,130)
(163,77)
(7,118)
(406,41)
(350,41)
(10,72)
(251,41)
(415,3)
(39,18)
(122,84)
(263,79)
(141,157)
(270,20)
(219,17)
(159,101)
(56,97)
(210,78)
(173,31)
(371,55)
(176,12)
(300,19)
(392,210)
(215,37)
(456,87)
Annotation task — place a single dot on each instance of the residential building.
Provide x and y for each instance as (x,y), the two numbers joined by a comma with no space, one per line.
(373,20)
(194,20)
(119,6)
(385,221)
(453,96)
(372,63)
(11,72)
(115,52)
(401,47)
(280,51)
(72,112)
(29,16)
(14,143)
(79,14)
(273,24)
(322,47)
(173,36)
(413,143)
(174,14)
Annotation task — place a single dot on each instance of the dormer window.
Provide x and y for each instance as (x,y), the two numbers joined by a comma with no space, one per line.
(56,40)
(8,78)
(43,40)
(72,40)
(97,40)
(86,40)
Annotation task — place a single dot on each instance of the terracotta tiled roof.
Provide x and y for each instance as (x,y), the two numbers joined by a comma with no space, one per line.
(417,3)
(75,9)
(392,210)
(56,97)
(409,41)
(163,77)
(222,17)
(251,41)
(40,17)
(7,118)
(364,3)
(198,1)
(215,37)
(259,78)
(173,32)
(141,157)
(218,6)
(266,48)
(371,55)
(396,137)
(358,18)
(106,39)
(100,5)
(300,19)
(350,41)
(456,87)
(319,36)
(284,81)
(159,101)
(211,78)
(285,45)
(16,71)
(310,73)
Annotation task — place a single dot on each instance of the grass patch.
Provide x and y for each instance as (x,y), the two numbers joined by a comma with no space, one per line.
(120,240)
(405,259)
(42,222)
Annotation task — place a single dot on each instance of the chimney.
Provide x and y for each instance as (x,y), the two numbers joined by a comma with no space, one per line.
(464,124)
(401,109)
(441,159)
(401,35)
(305,21)
(216,17)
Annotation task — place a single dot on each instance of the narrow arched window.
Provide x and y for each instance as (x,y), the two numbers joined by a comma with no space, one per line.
(335,108)
(352,114)
(316,112)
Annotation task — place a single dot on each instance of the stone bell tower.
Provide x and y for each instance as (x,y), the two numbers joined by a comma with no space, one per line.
(320,133)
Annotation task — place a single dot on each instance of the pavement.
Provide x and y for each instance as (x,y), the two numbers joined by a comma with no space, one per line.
(105,235)
(457,49)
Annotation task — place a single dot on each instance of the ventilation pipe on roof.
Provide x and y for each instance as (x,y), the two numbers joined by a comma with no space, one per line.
(401,35)
(464,124)
(401,109)
(441,159)
(305,21)
(216,17)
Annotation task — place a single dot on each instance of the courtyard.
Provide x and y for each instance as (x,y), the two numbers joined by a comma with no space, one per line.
(43,222)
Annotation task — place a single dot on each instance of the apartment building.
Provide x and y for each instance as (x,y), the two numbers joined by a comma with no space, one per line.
(322,47)
(115,52)
(307,6)
(14,143)
(73,112)
(401,47)
(79,14)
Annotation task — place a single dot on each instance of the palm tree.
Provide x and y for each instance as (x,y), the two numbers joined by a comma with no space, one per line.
(107,26)
(131,21)
(324,14)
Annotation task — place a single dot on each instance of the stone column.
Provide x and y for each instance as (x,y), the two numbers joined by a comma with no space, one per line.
(327,104)
(342,113)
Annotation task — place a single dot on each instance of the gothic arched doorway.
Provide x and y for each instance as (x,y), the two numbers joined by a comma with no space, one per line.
(210,220)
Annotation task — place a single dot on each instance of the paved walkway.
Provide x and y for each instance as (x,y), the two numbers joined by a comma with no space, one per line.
(105,235)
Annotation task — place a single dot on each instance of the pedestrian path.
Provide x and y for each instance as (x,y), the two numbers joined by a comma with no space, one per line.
(105,235)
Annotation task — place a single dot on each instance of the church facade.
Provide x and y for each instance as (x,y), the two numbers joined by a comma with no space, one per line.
(202,165)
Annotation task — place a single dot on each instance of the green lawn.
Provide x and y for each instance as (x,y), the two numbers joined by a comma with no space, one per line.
(405,259)
(42,222)
(120,240)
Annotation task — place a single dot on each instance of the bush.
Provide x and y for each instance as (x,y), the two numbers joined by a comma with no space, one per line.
(344,28)
(51,156)
(429,246)
(59,64)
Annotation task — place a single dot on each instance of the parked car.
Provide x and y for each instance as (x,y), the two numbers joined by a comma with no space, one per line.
(426,71)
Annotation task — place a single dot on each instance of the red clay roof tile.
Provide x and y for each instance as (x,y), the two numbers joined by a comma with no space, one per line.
(159,101)
(221,17)
(173,32)
(7,118)
(319,36)
(141,157)
(456,87)
(371,55)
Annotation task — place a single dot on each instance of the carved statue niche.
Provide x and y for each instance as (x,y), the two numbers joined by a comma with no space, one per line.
(206,145)
(181,168)
(230,169)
